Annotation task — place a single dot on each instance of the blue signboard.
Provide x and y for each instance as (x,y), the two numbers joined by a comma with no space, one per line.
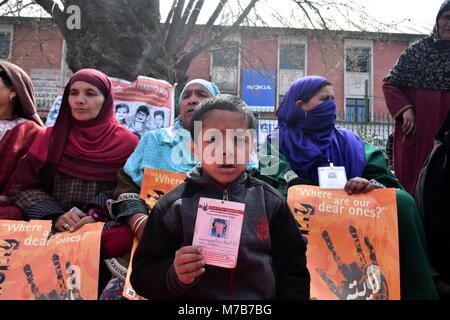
(259,89)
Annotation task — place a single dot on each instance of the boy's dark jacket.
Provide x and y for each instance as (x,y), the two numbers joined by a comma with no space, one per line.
(272,254)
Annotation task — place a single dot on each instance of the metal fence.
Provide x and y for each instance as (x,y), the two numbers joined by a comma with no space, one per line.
(376,131)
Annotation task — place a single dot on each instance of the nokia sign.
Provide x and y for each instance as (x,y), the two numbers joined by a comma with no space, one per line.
(259,89)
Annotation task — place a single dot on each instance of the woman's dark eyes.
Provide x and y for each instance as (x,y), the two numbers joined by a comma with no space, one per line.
(74,93)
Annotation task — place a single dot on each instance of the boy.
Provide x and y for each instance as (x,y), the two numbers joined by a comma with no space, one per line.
(271,260)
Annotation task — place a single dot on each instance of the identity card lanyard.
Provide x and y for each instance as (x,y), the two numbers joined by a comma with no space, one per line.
(332,177)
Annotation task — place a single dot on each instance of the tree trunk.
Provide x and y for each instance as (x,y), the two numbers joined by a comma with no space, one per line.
(123,41)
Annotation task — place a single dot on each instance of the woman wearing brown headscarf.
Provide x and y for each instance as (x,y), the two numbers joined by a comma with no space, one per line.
(19,126)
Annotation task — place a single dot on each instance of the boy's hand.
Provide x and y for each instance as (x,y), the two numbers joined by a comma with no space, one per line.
(358,185)
(189,264)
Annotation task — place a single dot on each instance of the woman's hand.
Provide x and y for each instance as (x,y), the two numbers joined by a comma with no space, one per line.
(71,221)
(189,264)
(409,122)
(358,185)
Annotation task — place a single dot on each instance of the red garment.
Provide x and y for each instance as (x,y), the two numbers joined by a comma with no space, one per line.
(92,150)
(410,152)
(13,146)
(116,242)
(10,213)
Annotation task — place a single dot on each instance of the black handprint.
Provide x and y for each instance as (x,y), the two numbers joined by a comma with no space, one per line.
(153,198)
(29,274)
(361,281)
(59,278)
(63,293)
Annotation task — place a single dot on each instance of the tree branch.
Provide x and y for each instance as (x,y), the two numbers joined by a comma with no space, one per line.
(53,9)
(189,26)
(197,48)
(212,19)
(175,26)
(168,19)
(187,11)
(306,13)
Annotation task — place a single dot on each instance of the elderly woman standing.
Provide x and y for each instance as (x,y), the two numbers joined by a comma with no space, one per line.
(75,163)
(417,93)
(19,126)
(309,138)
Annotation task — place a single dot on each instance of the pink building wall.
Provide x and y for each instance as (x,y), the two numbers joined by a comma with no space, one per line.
(37,47)
(385,56)
(325,58)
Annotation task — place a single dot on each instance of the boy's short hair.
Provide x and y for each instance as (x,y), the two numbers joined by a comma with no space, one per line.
(159,113)
(122,105)
(226,102)
(143,109)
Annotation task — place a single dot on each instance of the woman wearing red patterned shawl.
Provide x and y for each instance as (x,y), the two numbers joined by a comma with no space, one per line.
(417,93)
(75,163)
(19,126)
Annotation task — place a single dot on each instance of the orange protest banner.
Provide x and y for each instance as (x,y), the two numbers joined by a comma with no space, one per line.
(128,291)
(157,183)
(34,266)
(353,251)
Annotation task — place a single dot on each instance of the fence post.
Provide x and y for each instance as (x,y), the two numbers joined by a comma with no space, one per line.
(366,100)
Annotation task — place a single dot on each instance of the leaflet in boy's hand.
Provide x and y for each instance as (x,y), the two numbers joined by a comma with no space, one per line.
(218,231)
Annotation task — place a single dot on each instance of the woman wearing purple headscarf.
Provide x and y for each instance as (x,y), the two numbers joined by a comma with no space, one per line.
(308,138)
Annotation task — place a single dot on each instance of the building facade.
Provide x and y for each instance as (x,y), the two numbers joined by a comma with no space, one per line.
(257,64)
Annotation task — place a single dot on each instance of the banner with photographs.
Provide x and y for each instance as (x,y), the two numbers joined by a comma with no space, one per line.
(142,105)
(35,265)
(353,251)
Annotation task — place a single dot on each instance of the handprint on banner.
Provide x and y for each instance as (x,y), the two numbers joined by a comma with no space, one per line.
(69,292)
(302,214)
(361,281)
(153,197)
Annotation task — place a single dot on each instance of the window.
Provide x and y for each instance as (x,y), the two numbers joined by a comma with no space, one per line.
(358,83)
(355,110)
(292,57)
(225,67)
(5,41)
(358,59)
(292,61)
